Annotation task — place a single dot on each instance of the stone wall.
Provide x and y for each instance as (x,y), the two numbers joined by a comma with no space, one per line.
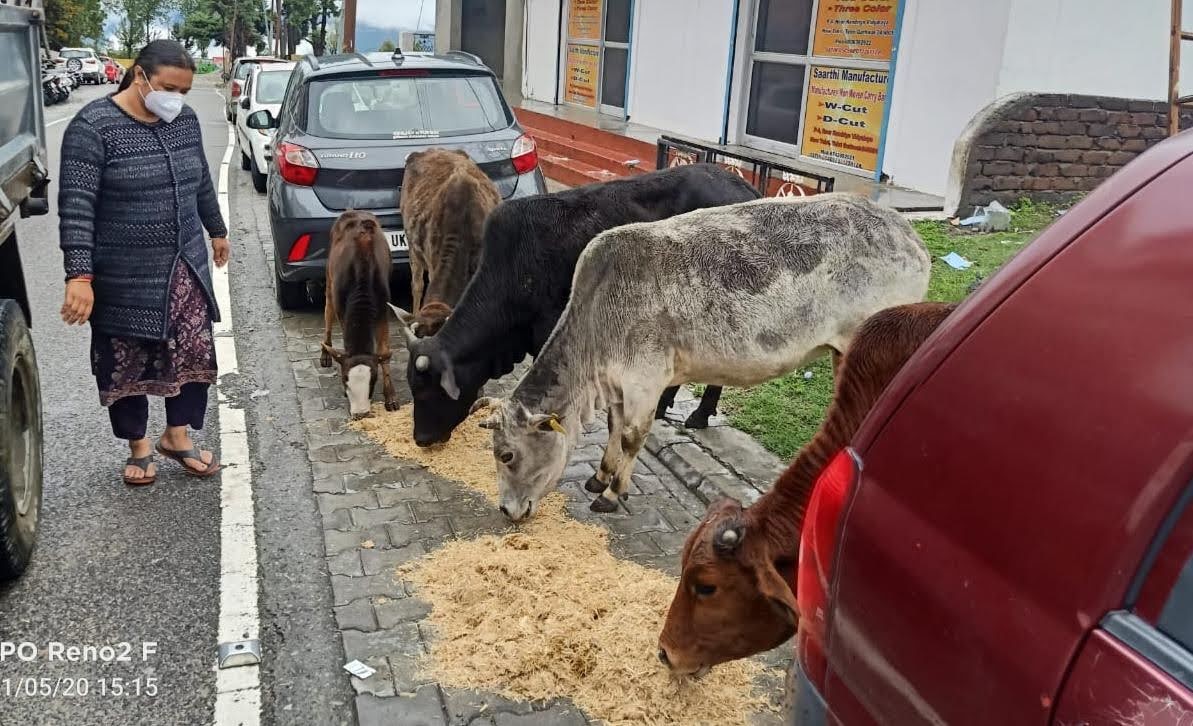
(1050,147)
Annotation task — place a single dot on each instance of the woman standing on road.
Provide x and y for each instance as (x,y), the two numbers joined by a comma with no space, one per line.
(135,197)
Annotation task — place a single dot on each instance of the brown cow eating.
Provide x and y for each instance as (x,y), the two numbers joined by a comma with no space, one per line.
(445,199)
(358,265)
(736,589)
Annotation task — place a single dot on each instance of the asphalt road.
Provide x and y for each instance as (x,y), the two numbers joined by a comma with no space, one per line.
(121,565)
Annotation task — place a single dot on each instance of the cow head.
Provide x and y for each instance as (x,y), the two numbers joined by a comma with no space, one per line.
(733,599)
(440,404)
(358,373)
(531,451)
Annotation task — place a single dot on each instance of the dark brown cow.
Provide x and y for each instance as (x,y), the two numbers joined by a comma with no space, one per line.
(735,596)
(445,199)
(358,266)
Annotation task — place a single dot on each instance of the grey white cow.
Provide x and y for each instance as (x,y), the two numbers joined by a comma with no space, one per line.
(730,296)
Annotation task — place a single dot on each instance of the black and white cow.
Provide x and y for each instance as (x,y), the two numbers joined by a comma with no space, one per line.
(732,296)
(528,257)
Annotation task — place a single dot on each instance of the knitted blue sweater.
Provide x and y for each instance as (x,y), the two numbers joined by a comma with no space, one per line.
(133,201)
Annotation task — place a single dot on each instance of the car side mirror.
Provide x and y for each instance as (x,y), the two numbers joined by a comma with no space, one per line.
(244,103)
(262,119)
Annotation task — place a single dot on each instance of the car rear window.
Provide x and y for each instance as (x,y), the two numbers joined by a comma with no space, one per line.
(401,107)
(271,86)
(76,54)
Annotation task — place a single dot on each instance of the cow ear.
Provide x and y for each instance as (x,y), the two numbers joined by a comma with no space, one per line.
(448,381)
(337,355)
(772,586)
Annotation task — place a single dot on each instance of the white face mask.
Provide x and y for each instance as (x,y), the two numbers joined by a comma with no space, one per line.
(166,105)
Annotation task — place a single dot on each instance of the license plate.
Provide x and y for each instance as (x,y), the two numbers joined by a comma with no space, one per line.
(397,241)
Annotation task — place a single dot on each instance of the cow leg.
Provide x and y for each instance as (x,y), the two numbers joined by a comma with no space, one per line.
(329,318)
(666,402)
(637,418)
(603,477)
(707,408)
(383,354)
(417,282)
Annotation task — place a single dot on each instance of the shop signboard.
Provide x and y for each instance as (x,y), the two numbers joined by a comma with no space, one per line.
(855,29)
(844,116)
(584,19)
(582,64)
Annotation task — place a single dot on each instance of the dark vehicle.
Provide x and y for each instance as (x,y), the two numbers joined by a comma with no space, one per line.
(1009,539)
(237,78)
(23,181)
(347,124)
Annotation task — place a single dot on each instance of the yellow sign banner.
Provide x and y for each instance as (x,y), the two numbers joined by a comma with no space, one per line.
(844,116)
(584,20)
(581,85)
(858,30)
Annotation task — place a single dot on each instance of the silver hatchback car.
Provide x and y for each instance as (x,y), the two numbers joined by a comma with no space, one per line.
(347,124)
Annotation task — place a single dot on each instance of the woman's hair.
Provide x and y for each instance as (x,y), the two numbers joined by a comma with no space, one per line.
(157,54)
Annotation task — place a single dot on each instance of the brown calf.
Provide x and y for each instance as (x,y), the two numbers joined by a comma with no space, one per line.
(358,265)
(735,595)
(445,199)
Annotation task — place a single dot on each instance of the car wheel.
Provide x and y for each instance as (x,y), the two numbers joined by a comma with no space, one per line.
(290,295)
(20,443)
(245,163)
(259,178)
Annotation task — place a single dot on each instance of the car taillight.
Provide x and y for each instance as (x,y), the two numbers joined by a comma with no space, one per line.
(296,164)
(817,547)
(235,89)
(525,154)
(298,250)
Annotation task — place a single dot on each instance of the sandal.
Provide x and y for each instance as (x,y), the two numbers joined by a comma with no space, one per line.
(181,456)
(143,463)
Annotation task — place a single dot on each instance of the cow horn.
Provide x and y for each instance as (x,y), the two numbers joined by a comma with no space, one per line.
(405,318)
(728,539)
(482,402)
(422,363)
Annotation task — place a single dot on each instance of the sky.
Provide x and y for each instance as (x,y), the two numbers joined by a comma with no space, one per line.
(402,14)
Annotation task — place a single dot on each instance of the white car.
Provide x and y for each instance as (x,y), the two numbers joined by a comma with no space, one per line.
(264,88)
(86,62)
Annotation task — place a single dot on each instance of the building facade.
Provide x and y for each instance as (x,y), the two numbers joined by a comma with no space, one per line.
(878,88)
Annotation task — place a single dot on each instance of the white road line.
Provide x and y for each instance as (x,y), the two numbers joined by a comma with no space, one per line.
(238,690)
(58,121)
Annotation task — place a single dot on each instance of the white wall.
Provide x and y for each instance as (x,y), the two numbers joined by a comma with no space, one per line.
(680,63)
(950,54)
(540,50)
(1095,47)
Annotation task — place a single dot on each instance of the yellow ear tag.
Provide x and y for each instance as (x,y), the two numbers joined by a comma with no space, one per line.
(558,426)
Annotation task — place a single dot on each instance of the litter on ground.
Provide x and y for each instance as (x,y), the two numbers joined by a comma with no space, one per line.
(956,261)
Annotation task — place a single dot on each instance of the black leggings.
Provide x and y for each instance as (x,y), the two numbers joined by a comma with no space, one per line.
(130,414)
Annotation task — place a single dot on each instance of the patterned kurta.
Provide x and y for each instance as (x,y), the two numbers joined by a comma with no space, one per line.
(134,199)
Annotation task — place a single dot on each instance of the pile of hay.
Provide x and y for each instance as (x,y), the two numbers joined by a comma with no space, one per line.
(467,457)
(549,612)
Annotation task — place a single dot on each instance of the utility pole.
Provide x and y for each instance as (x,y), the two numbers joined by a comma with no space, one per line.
(348,42)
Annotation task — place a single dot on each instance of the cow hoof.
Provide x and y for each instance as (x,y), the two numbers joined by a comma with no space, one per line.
(594,485)
(603,505)
(696,421)
(391,406)
(325,360)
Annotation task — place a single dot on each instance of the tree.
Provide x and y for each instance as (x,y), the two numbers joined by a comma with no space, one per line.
(327,9)
(69,22)
(387,46)
(234,24)
(139,19)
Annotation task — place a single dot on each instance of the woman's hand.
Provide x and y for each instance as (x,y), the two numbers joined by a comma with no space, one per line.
(219,250)
(76,309)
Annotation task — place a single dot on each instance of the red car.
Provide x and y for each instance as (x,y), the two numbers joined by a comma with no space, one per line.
(1009,539)
(112,69)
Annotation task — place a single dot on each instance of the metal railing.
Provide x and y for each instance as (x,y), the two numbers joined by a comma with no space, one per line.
(769,177)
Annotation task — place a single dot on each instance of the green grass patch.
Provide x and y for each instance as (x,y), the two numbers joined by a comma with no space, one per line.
(784,414)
